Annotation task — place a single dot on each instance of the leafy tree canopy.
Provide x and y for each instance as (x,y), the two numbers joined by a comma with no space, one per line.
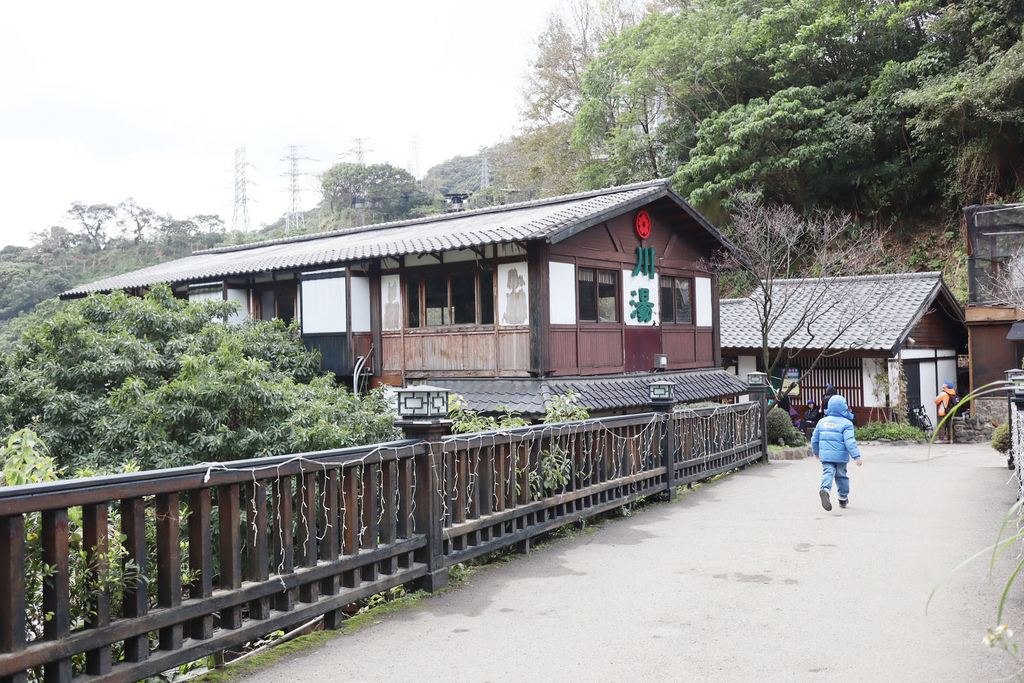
(162,382)
(879,109)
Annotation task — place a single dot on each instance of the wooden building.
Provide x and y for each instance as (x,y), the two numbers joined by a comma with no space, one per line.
(995,328)
(593,292)
(913,321)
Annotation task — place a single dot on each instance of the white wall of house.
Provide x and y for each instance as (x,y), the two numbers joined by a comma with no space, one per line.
(360,304)
(240,297)
(875,386)
(393,312)
(631,286)
(745,365)
(513,294)
(562,293)
(705,313)
(323,306)
(197,295)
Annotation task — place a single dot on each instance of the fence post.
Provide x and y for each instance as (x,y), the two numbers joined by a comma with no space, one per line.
(1015,392)
(662,399)
(422,412)
(757,388)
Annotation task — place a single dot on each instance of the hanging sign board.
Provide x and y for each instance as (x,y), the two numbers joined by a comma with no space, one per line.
(789,382)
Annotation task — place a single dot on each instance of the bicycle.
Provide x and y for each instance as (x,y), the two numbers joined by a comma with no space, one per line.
(919,418)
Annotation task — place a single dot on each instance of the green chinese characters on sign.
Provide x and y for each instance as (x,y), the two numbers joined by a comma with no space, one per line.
(643,307)
(644,262)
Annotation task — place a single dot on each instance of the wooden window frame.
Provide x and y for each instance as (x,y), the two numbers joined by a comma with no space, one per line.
(421,277)
(670,280)
(597,299)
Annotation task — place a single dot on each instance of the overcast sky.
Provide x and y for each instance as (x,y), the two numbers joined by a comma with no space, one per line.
(107,100)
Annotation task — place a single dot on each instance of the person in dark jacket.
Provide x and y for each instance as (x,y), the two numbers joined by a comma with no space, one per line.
(812,413)
(833,443)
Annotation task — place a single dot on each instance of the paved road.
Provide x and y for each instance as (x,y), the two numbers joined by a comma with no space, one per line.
(746,579)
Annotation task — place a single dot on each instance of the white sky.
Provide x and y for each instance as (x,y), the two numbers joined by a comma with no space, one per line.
(100,101)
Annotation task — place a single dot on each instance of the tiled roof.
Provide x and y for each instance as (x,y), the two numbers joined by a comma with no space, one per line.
(545,219)
(871,313)
(529,396)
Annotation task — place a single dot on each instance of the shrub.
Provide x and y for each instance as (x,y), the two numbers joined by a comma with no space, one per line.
(890,430)
(1001,440)
(780,428)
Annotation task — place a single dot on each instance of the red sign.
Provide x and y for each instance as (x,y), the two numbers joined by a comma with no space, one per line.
(643,225)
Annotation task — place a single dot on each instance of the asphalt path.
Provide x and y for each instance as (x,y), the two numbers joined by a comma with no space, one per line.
(743,579)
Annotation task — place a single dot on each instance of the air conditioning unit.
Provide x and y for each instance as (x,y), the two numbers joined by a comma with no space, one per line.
(660,361)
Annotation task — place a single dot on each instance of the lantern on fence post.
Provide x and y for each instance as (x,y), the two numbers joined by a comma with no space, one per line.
(661,398)
(662,395)
(1015,386)
(757,388)
(423,412)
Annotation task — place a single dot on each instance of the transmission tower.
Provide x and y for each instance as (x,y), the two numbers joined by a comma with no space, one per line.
(294,219)
(359,150)
(485,173)
(240,219)
(413,165)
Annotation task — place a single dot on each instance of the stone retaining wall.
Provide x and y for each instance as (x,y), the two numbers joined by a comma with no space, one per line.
(975,429)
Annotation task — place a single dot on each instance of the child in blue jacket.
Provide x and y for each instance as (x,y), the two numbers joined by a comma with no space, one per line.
(834,444)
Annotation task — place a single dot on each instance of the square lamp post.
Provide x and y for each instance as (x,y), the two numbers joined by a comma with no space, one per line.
(1015,384)
(757,380)
(423,412)
(757,387)
(661,395)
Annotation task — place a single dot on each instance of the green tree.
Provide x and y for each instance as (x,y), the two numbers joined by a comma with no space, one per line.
(361,194)
(161,382)
(93,219)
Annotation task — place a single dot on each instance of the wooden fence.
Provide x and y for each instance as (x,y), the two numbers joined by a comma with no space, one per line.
(213,557)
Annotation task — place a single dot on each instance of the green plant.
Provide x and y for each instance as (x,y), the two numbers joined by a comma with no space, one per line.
(1001,439)
(162,382)
(553,473)
(890,430)
(25,459)
(465,419)
(780,428)
(564,409)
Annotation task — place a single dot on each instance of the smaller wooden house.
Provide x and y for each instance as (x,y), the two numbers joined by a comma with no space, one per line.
(598,292)
(910,320)
(995,327)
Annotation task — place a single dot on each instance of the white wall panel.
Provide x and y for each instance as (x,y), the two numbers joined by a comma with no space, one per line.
(360,304)
(562,293)
(929,382)
(391,303)
(513,294)
(705,314)
(947,370)
(874,390)
(195,296)
(323,305)
(746,365)
(631,286)
(241,297)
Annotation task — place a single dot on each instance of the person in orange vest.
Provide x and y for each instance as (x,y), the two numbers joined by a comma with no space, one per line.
(945,401)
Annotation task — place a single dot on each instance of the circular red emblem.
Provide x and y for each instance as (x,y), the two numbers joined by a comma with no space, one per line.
(643,225)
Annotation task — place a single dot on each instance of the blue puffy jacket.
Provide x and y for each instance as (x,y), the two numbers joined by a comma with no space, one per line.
(833,439)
